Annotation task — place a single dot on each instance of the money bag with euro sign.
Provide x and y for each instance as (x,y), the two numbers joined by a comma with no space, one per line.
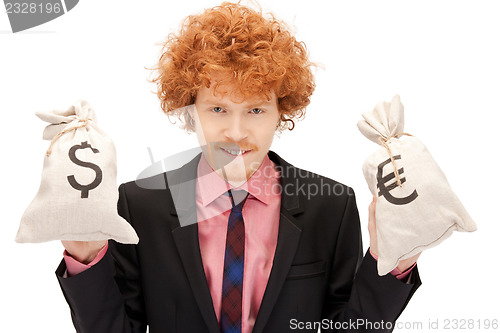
(78,194)
(416,207)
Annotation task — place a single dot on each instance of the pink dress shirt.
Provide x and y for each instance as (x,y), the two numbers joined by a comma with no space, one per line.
(261,213)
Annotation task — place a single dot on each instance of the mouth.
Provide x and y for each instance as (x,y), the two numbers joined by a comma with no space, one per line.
(235,152)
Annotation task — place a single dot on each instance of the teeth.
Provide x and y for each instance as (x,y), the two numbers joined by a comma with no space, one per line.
(234,152)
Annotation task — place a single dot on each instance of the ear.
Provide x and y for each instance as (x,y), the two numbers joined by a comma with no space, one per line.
(280,119)
(190,117)
(190,109)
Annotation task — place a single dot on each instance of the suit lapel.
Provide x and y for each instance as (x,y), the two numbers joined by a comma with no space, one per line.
(182,186)
(288,239)
(289,233)
(186,239)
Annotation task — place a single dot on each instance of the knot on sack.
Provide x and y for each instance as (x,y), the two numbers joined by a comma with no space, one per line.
(383,142)
(81,123)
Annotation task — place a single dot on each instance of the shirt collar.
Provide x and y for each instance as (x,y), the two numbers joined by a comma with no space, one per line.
(260,185)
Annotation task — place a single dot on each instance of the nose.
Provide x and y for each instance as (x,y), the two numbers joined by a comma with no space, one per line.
(235,128)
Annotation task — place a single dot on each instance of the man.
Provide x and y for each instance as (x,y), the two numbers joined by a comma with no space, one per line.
(235,242)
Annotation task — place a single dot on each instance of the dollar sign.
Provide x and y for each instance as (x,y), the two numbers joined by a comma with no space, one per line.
(98,172)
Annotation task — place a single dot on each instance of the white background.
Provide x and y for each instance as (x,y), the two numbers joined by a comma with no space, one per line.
(440,56)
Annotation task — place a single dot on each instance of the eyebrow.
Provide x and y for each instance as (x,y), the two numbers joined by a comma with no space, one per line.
(263,102)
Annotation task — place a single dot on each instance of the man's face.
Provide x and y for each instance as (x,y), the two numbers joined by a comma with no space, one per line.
(235,133)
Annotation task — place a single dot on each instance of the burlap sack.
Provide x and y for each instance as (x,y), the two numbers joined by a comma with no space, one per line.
(416,208)
(77,199)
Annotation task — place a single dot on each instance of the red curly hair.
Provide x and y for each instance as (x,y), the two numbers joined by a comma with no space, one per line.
(259,54)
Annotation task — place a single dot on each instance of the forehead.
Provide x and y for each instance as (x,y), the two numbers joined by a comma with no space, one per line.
(230,91)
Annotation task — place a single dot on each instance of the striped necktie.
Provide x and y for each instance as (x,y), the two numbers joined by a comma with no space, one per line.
(234,258)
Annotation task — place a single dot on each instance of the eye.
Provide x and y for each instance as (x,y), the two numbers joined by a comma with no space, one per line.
(217,109)
(256,111)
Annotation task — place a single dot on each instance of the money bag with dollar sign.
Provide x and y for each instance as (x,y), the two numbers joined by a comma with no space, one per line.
(78,194)
(416,207)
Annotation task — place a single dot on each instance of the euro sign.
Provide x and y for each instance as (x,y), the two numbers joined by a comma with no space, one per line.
(385,190)
(98,172)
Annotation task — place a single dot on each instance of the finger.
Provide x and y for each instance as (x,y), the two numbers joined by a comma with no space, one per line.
(371,209)
(371,217)
(415,257)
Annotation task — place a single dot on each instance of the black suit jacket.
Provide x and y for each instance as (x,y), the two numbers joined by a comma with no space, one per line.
(318,274)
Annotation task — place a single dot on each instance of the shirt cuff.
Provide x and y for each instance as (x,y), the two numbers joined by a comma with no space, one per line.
(74,267)
(396,272)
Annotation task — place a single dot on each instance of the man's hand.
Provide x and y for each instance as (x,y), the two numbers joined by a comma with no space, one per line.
(83,252)
(372,229)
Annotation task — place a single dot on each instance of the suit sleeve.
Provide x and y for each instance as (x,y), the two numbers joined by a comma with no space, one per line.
(358,299)
(103,298)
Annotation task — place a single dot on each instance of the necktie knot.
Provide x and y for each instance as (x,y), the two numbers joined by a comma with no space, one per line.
(238,199)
